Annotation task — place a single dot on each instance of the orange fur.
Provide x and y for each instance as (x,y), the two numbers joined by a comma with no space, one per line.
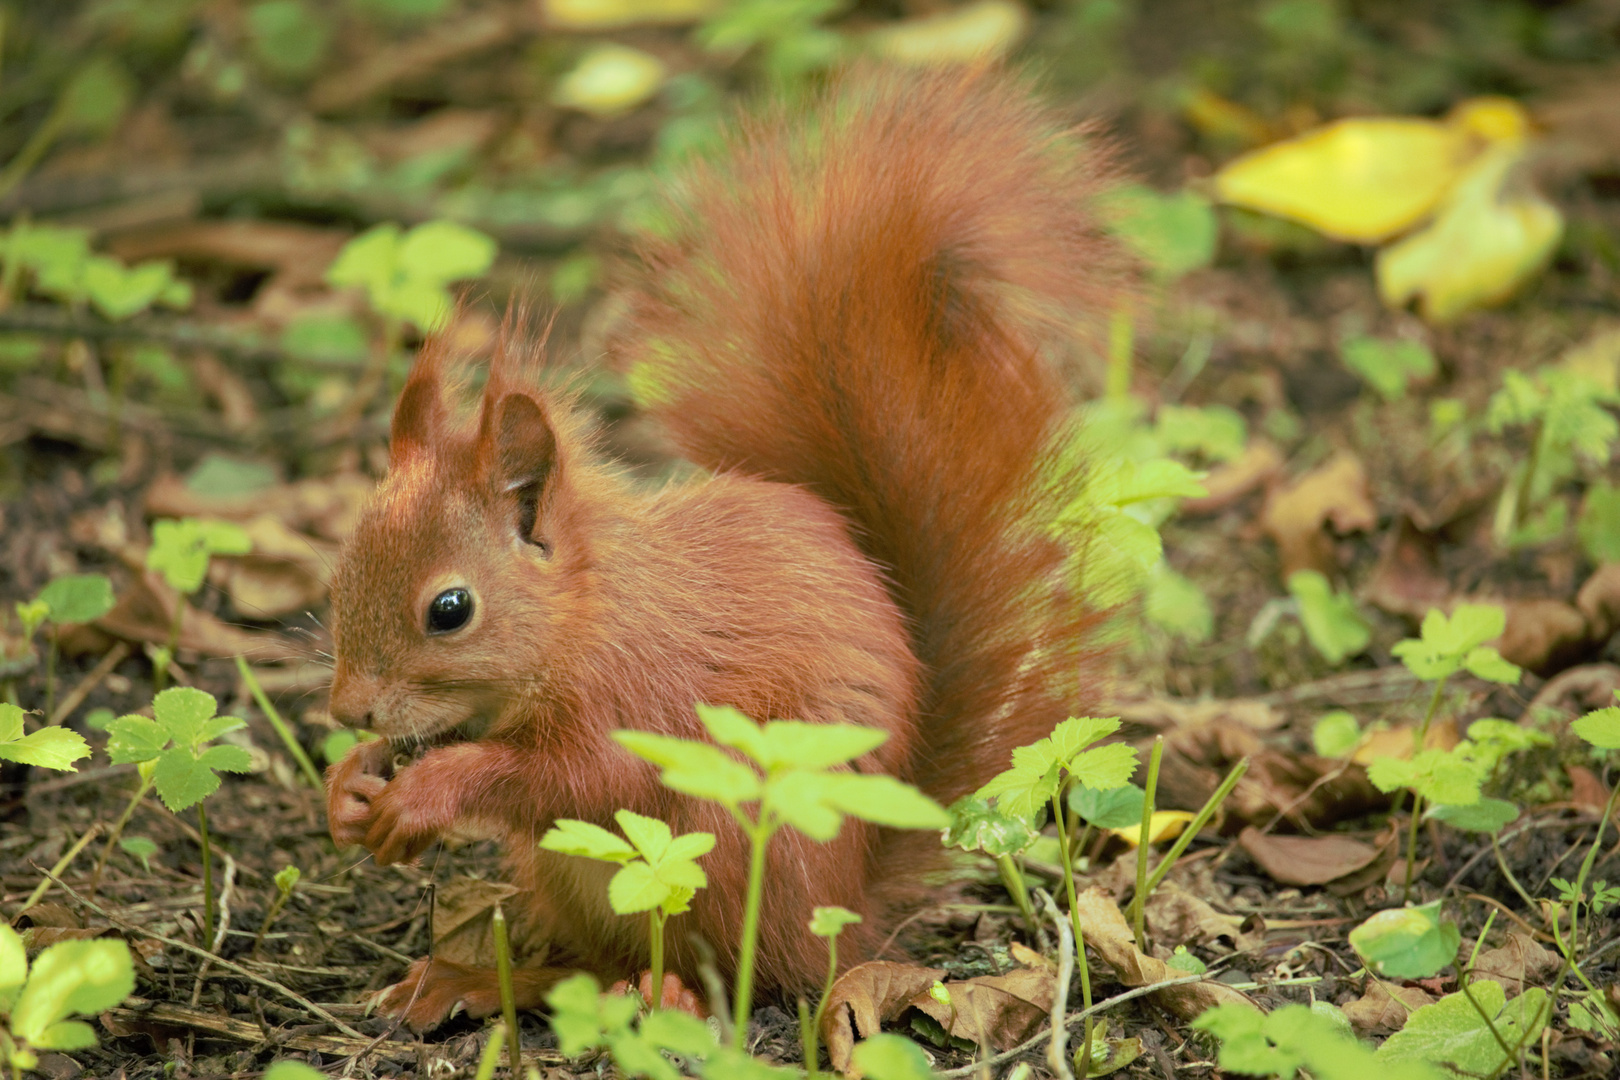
(850,328)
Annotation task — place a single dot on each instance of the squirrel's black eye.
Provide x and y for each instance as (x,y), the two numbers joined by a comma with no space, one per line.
(449,611)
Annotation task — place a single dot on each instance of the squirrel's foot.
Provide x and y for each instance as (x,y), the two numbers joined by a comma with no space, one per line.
(433,991)
(676,993)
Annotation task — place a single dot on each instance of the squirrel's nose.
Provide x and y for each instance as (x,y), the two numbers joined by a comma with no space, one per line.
(351,700)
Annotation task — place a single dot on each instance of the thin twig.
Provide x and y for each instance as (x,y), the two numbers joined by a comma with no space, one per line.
(236,969)
(1074,1018)
(76,696)
(1056,1058)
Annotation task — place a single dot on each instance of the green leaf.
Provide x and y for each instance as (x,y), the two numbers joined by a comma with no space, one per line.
(1388,365)
(689,846)
(976,826)
(1445,643)
(828,922)
(226,759)
(11,722)
(650,836)
(886,1056)
(1104,767)
(72,978)
(1486,663)
(636,888)
(694,768)
(1407,943)
(1329,616)
(1484,816)
(288,37)
(1245,1047)
(337,745)
(1108,808)
(678,1032)
(1598,527)
(1451,1032)
(78,598)
(49,747)
(803,800)
(66,1035)
(1173,234)
(287,878)
(13,965)
(118,292)
(1175,604)
(181,549)
(443,251)
(1442,776)
(293,1070)
(794,744)
(95,100)
(32,615)
(729,727)
(223,476)
(182,780)
(1335,734)
(883,800)
(1216,432)
(369,261)
(135,738)
(141,847)
(581,838)
(184,711)
(1600,727)
(1075,734)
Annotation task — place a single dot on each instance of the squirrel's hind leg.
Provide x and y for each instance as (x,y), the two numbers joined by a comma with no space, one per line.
(432,989)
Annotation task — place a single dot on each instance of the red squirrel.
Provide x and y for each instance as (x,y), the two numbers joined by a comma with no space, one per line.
(850,323)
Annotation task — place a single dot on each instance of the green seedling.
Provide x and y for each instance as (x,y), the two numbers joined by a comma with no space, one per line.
(1332,624)
(584,1019)
(63,267)
(1335,734)
(70,978)
(49,747)
(92,103)
(405,277)
(658,872)
(1035,783)
(792,784)
(886,1056)
(1569,420)
(1598,526)
(71,598)
(177,742)
(503,976)
(1407,943)
(1213,432)
(289,37)
(978,826)
(1388,365)
(286,880)
(180,552)
(1294,1037)
(1445,646)
(492,1053)
(787,34)
(139,847)
(827,922)
(288,739)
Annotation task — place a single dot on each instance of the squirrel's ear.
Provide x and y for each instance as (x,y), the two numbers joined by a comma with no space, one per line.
(419,414)
(525,453)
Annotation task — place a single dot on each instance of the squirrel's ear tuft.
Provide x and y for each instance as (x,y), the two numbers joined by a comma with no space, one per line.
(419,414)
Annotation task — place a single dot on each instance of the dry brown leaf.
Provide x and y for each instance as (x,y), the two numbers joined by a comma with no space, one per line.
(1029,958)
(1586,790)
(1599,600)
(1165,712)
(327,507)
(865,996)
(1232,480)
(1385,1007)
(145,612)
(1407,580)
(1107,932)
(1576,691)
(463,930)
(1175,915)
(1397,741)
(1002,1010)
(1298,515)
(1306,860)
(1518,962)
(1542,635)
(286,573)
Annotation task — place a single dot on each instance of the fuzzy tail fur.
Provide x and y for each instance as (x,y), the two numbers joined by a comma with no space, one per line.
(866,302)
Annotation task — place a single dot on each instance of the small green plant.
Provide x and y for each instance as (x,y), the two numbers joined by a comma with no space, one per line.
(1474,1032)
(584,1019)
(1329,616)
(788,35)
(886,1056)
(827,922)
(92,103)
(1388,365)
(68,979)
(1408,942)
(1569,420)
(791,784)
(978,826)
(288,739)
(1445,646)
(1294,1037)
(658,871)
(1035,784)
(49,747)
(71,598)
(286,880)
(60,265)
(181,549)
(184,764)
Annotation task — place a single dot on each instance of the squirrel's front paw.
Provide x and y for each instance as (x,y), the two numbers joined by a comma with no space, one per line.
(351,785)
(411,811)
(433,990)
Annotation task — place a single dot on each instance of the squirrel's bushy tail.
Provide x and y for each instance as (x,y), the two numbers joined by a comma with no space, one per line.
(864,300)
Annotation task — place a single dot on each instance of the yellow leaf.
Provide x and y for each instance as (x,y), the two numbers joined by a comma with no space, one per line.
(1222,118)
(609,14)
(609,80)
(1166,825)
(1363,180)
(1487,239)
(981,31)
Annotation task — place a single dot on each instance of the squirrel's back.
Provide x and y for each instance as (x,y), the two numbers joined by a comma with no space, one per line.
(868,302)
